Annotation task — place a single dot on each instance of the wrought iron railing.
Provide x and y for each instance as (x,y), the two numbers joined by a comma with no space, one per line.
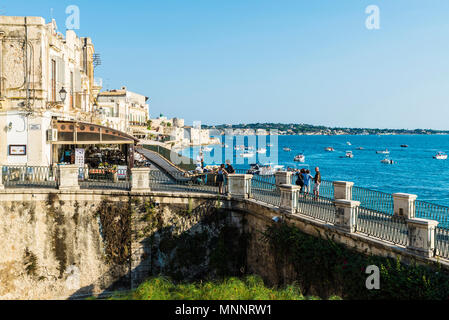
(374,200)
(118,179)
(431,211)
(29,177)
(179,182)
(382,226)
(263,188)
(317,207)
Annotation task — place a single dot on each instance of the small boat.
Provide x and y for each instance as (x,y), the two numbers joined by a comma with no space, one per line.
(287,149)
(349,143)
(300,158)
(329,149)
(440,156)
(248,155)
(387,161)
(383,152)
(207,149)
(349,154)
(360,148)
(262,151)
(404,146)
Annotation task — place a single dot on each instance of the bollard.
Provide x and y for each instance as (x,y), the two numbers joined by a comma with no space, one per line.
(289,198)
(346,215)
(343,190)
(68,178)
(140,179)
(239,185)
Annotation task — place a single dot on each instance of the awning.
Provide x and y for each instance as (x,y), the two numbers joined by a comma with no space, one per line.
(81,133)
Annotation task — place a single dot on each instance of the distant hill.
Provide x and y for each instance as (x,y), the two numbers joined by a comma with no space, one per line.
(307,129)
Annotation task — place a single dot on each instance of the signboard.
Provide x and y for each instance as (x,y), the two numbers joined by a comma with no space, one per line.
(79,161)
(17,150)
(35,127)
(79,157)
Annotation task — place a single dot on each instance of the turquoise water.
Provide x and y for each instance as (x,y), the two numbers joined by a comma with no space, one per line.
(415,170)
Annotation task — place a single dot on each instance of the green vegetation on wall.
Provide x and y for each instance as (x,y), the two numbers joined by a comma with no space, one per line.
(251,288)
(328,268)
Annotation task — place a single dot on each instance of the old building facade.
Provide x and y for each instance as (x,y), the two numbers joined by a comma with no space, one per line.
(44,76)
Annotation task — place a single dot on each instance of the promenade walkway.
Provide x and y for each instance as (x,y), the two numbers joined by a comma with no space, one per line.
(161,163)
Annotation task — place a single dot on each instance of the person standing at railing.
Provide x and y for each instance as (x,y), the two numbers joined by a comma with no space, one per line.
(300,180)
(317,180)
(307,181)
(221,178)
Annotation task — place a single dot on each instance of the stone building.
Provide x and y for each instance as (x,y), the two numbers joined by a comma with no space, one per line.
(44,76)
(125,111)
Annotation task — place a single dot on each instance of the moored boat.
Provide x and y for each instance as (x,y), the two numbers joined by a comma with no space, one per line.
(440,156)
(300,158)
(383,152)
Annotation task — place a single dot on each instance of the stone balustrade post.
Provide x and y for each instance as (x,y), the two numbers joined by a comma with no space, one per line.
(239,185)
(404,205)
(421,236)
(343,190)
(68,178)
(2,187)
(346,215)
(283,177)
(140,179)
(289,198)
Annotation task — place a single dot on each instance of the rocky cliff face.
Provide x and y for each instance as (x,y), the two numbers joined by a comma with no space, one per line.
(61,245)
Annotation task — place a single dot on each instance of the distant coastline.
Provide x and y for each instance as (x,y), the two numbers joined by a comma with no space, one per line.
(305,129)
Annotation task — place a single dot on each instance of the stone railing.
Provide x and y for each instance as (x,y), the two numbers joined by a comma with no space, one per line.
(373,219)
(384,217)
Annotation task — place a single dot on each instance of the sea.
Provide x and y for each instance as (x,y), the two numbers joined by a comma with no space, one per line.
(414,171)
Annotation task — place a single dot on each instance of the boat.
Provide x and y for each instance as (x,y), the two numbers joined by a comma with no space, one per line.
(262,151)
(247,155)
(349,143)
(329,149)
(300,158)
(404,146)
(270,145)
(349,154)
(360,148)
(440,156)
(287,149)
(207,149)
(387,161)
(383,152)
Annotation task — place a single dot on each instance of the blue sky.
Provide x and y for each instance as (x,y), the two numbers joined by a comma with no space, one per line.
(288,61)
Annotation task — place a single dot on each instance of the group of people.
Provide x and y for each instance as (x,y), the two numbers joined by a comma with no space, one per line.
(221,172)
(304,180)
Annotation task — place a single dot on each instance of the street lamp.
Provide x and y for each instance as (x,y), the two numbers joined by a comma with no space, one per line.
(63,94)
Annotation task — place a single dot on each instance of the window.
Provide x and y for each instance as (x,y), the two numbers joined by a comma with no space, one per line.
(53,80)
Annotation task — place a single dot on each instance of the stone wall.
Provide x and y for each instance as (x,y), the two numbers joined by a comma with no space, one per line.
(59,245)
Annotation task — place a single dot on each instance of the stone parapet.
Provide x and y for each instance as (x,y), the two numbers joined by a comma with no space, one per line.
(343,190)
(68,178)
(239,185)
(140,179)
